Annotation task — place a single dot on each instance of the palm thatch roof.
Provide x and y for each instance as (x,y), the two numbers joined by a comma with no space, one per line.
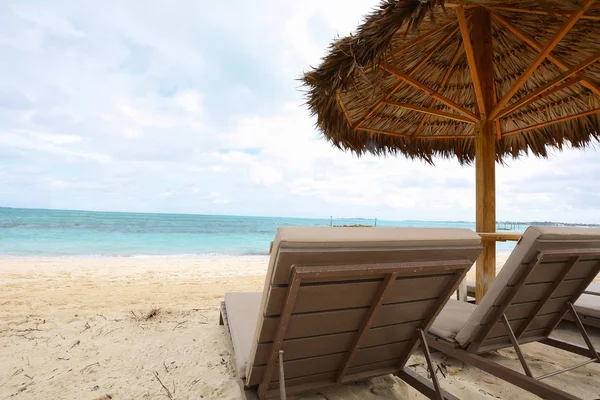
(404,81)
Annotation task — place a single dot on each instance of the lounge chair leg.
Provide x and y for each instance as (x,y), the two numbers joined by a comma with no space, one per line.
(519,379)
(588,341)
(281,377)
(434,379)
(515,344)
(422,384)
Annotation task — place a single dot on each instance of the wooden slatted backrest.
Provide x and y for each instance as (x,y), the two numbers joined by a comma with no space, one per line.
(389,281)
(550,267)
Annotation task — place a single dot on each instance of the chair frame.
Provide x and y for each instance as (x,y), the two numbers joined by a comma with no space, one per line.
(527,381)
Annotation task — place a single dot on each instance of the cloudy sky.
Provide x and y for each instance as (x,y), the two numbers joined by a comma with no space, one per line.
(195,107)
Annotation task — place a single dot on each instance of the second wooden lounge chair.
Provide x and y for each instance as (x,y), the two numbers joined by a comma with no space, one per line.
(345,304)
(544,276)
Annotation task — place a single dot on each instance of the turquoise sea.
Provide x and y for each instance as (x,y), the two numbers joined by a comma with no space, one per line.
(31,233)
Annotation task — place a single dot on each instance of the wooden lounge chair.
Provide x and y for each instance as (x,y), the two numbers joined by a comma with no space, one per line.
(587,305)
(344,304)
(544,276)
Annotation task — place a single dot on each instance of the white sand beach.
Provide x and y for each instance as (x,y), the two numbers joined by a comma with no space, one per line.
(78,328)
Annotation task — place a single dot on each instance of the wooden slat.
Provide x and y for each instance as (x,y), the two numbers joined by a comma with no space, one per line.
(583,270)
(548,272)
(308,257)
(544,89)
(403,312)
(366,324)
(381,131)
(520,311)
(554,121)
(329,322)
(523,310)
(568,288)
(498,330)
(429,111)
(418,85)
(589,249)
(390,333)
(419,288)
(307,347)
(366,271)
(554,40)
(337,343)
(500,237)
(324,297)
(426,137)
(323,323)
(386,352)
(344,295)
(540,12)
(534,292)
(539,322)
(302,367)
(538,47)
(475,74)
(533,98)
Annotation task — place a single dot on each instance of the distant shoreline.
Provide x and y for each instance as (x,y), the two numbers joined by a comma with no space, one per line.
(186,257)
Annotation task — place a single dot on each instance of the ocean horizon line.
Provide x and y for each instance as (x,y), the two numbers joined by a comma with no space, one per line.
(450,221)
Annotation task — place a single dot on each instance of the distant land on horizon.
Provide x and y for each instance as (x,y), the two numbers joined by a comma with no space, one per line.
(540,223)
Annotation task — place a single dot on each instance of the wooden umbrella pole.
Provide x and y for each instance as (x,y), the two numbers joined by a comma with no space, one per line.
(485,150)
(485,181)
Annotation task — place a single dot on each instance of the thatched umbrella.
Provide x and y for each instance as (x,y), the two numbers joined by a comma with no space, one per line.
(479,80)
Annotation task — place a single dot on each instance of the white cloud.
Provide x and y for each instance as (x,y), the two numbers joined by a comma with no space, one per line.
(132,132)
(266,176)
(190,101)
